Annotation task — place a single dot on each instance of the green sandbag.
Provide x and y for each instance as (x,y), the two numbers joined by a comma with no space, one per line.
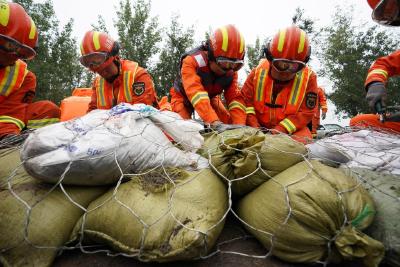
(234,156)
(51,218)
(385,190)
(156,221)
(322,208)
(9,161)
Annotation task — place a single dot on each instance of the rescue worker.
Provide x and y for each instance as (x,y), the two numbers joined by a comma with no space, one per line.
(18,40)
(322,106)
(119,80)
(206,72)
(386,12)
(281,92)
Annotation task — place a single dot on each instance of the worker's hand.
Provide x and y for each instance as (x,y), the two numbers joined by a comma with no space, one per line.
(323,115)
(395,117)
(278,129)
(221,127)
(376,97)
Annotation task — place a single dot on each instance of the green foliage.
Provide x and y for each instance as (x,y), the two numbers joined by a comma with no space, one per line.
(348,51)
(56,66)
(254,53)
(139,34)
(304,23)
(178,41)
(101,25)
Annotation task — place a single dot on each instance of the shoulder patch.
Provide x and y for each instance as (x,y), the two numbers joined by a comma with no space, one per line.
(311,100)
(138,88)
(200,60)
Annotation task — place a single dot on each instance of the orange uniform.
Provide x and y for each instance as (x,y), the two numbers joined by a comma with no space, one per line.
(322,105)
(380,71)
(133,85)
(17,90)
(286,107)
(199,89)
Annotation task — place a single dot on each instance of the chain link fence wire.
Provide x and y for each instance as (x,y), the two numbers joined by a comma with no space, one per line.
(169,213)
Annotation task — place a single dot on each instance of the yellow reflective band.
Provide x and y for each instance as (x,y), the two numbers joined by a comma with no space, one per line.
(32,33)
(250,110)
(281,42)
(289,126)
(294,94)
(224,32)
(241,43)
(96,40)
(10,78)
(34,124)
(236,104)
(260,85)
(7,119)
(127,91)
(300,49)
(4,13)
(198,97)
(101,97)
(379,71)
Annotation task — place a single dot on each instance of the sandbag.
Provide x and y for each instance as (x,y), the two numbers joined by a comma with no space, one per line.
(9,162)
(155,221)
(309,208)
(47,215)
(249,157)
(101,146)
(385,190)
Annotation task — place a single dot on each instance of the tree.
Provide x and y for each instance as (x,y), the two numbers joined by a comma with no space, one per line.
(304,23)
(254,53)
(56,65)
(101,25)
(178,41)
(138,33)
(348,51)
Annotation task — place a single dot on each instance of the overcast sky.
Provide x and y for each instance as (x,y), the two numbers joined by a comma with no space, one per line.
(253,18)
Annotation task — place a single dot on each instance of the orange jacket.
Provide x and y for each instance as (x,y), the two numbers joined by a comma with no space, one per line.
(133,85)
(15,94)
(383,68)
(286,106)
(200,84)
(322,100)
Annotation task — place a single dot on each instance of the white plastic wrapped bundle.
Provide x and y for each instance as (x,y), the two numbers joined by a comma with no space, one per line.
(101,146)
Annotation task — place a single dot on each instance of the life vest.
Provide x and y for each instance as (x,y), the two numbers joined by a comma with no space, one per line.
(11,78)
(289,103)
(104,89)
(213,84)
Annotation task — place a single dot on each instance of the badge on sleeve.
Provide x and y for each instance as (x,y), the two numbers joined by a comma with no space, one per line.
(311,100)
(138,88)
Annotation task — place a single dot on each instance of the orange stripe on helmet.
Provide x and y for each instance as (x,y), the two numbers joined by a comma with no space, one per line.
(4,13)
(32,32)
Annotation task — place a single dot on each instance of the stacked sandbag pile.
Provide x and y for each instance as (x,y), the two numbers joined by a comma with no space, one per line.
(163,215)
(36,219)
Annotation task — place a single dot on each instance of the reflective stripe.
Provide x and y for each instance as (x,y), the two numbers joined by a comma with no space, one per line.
(225,37)
(96,40)
(127,91)
(302,41)
(289,126)
(294,94)
(4,13)
(241,43)
(198,97)
(200,60)
(379,71)
(260,85)
(281,42)
(101,101)
(236,104)
(9,79)
(34,124)
(250,110)
(32,32)
(7,119)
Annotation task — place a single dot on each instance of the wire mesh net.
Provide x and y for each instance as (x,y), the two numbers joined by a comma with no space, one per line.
(163,203)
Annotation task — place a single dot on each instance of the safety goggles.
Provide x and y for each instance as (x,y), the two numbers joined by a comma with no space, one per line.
(387,12)
(285,65)
(13,47)
(94,60)
(229,64)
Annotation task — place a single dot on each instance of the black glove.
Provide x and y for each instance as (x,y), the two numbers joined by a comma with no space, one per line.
(323,115)
(395,117)
(376,97)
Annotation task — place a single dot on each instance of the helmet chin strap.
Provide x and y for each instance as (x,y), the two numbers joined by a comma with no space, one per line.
(117,62)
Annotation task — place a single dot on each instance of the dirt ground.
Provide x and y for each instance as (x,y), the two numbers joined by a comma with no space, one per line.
(231,230)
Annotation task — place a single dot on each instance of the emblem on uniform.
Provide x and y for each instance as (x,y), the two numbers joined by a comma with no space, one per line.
(138,88)
(311,100)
